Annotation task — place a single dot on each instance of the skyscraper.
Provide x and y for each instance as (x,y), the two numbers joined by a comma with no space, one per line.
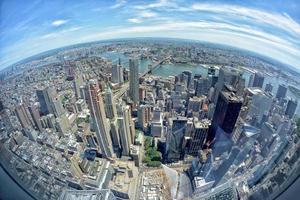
(175,137)
(35,114)
(110,107)
(144,113)
(23,116)
(291,108)
(97,110)
(157,123)
(268,87)
(134,80)
(57,107)
(189,77)
(201,87)
(125,129)
(1,106)
(227,75)
(77,83)
(198,136)
(226,113)
(281,91)
(45,99)
(258,80)
(117,74)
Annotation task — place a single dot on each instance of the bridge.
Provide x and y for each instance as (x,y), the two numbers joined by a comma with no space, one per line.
(125,86)
(154,66)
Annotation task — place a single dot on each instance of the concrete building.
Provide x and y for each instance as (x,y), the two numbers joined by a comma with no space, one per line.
(134,80)
(101,125)
(291,108)
(281,91)
(198,136)
(109,104)
(144,116)
(23,116)
(117,73)
(258,80)
(157,123)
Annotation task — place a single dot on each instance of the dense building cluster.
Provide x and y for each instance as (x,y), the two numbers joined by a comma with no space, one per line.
(108,129)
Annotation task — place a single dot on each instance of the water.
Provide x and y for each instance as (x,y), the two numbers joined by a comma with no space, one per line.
(9,190)
(174,69)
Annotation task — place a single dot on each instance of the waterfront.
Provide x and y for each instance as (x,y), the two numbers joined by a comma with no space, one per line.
(166,70)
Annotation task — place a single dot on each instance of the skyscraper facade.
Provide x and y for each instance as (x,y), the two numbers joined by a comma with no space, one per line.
(198,136)
(117,74)
(134,80)
(291,108)
(110,107)
(23,116)
(125,128)
(268,87)
(258,80)
(281,91)
(226,113)
(101,125)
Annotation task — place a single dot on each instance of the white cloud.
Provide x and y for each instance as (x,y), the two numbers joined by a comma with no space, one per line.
(148,14)
(135,20)
(282,21)
(119,3)
(157,4)
(59,22)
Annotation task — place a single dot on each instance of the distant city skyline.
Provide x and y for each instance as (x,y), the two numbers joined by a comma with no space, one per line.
(269,28)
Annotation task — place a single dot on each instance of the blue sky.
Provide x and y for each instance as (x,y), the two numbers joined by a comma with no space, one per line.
(267,27)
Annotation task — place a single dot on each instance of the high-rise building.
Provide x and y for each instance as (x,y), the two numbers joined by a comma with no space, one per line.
(156,123)
(45,99)
(1,106)
(125,128)
(281,91)
(198,136)
(77,83)
(109,103)
(259,104)
(144,115)
(175,139)
(35,114)
(101,125)
(291,108)
(115,136)
(57,107)
(226,113)
(189,77)
(134,80)
(258,80)
(227,75)
(117,74)
(23,116)
(201,87)
(268,87)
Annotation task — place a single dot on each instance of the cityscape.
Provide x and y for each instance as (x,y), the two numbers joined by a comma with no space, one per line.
(106,123)
(149,118)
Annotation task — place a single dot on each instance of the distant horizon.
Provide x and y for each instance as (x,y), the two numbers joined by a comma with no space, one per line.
(264,58)
(264,27)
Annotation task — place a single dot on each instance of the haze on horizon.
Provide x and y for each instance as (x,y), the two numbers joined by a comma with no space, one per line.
(270,28)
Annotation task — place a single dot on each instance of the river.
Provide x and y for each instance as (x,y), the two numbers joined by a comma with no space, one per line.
(174,69)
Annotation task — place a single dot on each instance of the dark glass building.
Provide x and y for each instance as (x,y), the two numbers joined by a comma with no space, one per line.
(291,108)
(268,87)
(258,80)
(226,113)
(281,91)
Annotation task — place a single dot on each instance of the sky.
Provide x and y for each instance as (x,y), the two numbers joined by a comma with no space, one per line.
(267,27)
